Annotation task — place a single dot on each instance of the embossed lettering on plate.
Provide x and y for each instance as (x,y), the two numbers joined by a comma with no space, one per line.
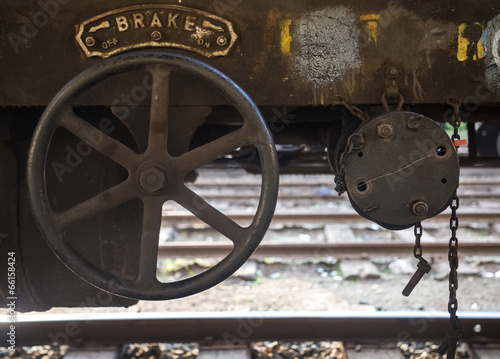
(156,25)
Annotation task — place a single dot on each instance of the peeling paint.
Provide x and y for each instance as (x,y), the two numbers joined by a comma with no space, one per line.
(437,35)
(328,45)
(491,38)
(418,91)
(429,39)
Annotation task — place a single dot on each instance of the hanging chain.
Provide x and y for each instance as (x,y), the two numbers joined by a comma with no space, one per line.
(356,111)
(453,260)
(340,185)
(354,142)
(456,119)
(450,342)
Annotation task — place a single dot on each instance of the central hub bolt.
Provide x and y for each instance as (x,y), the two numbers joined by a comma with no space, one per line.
(152,180)
(420,208)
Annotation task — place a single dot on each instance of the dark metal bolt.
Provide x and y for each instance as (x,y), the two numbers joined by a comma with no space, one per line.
(392,72)
(420,208)
(385,130)
(152,180)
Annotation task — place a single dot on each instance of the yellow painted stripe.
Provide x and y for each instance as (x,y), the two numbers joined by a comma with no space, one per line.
(480,46)
(372,24)
(286,39)
(369,17)
(463,43)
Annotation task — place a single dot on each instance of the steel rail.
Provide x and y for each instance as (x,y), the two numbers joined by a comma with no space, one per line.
(245,182)
(318,250)
(466,215)
(312,196)
(122,328)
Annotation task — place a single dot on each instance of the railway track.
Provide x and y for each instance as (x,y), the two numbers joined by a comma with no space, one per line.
(319,194)
(245,218)
(120,328)
(210,178)
(318,250)
(318,189)
(315,188)
(226,331)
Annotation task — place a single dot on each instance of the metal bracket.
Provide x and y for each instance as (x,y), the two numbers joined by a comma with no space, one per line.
(391,91)
(391,75)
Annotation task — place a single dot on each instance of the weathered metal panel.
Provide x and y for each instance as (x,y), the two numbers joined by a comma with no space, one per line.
(288,52)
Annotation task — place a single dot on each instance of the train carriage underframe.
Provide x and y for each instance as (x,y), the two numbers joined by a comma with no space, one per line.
(108,132)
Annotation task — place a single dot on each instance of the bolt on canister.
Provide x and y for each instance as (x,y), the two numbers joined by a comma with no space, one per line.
(385,130)
(420,208)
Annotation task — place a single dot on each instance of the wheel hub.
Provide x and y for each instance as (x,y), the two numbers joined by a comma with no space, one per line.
(152,179)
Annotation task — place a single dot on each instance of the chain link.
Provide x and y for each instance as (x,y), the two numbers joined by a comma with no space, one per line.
(417,249)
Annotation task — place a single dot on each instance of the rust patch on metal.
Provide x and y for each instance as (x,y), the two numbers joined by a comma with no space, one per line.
(156,25)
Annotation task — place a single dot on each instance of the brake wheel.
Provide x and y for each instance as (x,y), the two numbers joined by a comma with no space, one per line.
(154,177)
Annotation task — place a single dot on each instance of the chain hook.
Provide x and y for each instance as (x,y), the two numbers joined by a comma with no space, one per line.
(456,120)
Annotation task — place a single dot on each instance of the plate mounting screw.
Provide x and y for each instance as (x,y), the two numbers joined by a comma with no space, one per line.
(156,35)
(222,41)
(89,41)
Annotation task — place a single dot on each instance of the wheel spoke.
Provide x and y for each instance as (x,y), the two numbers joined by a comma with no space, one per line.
(158,118)
(148,256)
(97,139)
(104,201)
(210,215)
(213,150)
